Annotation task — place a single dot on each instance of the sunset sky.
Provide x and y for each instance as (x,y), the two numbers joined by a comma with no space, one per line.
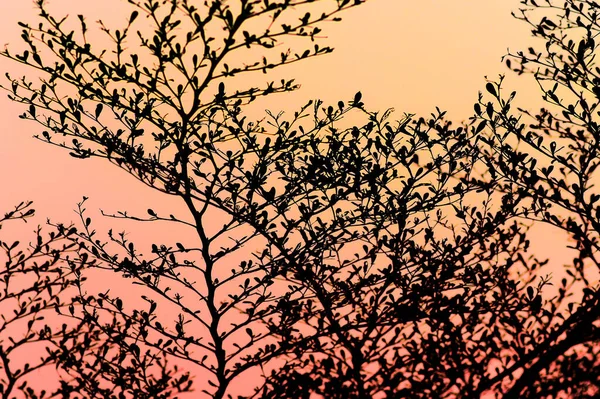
(412,55)
(409,55)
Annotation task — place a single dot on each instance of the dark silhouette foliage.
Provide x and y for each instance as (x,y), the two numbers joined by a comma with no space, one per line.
(42,330)
(333,250)
(550,157)
(35,283)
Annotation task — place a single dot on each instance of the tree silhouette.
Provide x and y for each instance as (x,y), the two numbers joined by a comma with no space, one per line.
(551,158)
(428,269)
(34,283)
(332,250)
(181,95)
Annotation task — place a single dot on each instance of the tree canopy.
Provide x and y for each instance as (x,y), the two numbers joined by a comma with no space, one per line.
(332,249)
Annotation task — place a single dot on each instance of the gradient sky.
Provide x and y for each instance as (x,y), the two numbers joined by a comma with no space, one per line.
(412,55)
(409,55)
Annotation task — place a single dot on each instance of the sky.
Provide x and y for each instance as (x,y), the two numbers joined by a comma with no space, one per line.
(410,55)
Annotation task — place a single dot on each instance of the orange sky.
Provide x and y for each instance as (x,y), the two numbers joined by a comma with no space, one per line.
(411,55)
